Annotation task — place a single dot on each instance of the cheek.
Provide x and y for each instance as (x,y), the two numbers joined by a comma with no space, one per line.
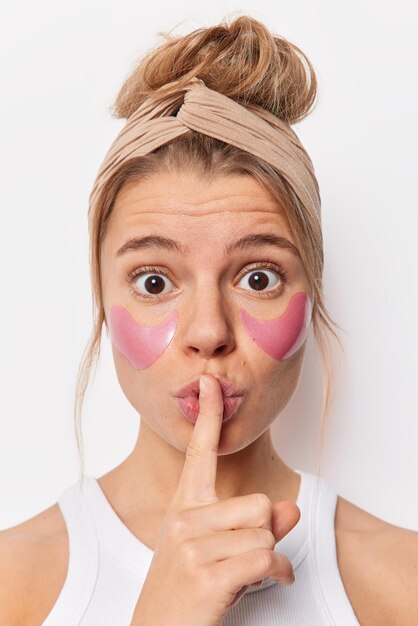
(141,345)
(283,336)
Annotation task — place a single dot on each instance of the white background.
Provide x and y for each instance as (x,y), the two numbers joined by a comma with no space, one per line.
(62,65)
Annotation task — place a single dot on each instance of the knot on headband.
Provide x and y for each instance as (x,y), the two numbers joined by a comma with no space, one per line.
(196,107)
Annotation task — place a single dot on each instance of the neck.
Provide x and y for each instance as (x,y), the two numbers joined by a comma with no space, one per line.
(147,479)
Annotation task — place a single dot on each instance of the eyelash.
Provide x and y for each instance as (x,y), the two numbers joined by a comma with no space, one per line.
(148,269)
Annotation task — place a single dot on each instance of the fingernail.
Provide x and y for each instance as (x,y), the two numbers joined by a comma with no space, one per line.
(203,387)
(286,581)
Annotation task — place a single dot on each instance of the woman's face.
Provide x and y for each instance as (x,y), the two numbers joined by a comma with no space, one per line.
(206,300)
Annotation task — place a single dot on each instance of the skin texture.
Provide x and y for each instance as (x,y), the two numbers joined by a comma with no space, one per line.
(208,290)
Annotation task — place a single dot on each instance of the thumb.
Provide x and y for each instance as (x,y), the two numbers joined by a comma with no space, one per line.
(285,516)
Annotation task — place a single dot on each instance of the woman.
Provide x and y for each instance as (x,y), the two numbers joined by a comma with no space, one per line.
(207,260)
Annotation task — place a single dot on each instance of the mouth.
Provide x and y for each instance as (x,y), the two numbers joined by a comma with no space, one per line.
(187,399)
(190,407)
(229,389)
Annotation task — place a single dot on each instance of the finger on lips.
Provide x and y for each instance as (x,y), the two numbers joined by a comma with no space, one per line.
(198,479)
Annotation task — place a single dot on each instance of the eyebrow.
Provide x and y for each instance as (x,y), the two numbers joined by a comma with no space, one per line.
(250,241)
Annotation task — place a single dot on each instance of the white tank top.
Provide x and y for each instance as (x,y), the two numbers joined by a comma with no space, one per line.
(108,565)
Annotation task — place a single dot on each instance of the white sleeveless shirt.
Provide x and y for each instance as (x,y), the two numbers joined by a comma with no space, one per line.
(108,565)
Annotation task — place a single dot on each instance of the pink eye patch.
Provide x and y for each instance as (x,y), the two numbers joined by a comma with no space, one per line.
(279,338)
(283,336)
(141,345)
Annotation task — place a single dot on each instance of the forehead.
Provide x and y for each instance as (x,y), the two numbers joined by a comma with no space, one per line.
(187,204)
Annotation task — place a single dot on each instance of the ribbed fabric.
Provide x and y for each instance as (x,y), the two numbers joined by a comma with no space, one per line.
(108,565)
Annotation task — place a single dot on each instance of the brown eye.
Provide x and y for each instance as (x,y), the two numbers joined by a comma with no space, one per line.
(152,284)
(260,280)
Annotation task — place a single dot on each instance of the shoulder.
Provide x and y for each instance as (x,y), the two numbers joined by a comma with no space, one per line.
(33,567)
(378,562)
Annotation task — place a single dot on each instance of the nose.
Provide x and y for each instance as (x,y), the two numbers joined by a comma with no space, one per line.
(205,325)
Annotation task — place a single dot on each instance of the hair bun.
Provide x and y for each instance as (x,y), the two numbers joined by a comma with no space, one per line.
(242,59)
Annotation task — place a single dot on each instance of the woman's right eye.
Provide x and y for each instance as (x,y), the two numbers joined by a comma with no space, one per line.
(151,284)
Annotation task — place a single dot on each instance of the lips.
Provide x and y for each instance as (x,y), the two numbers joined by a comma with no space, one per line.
(189,406)
(187,399)
(192,389)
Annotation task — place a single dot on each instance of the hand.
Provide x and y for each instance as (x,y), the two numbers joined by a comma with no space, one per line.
(209,551)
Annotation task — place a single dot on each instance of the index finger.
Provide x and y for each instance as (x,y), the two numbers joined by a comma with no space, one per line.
(198,479)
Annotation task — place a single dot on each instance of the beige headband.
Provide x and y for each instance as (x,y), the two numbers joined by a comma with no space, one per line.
(196,107)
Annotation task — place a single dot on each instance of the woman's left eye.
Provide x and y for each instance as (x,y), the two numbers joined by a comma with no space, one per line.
(261,279)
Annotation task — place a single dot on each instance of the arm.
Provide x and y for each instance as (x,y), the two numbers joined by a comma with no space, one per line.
(380,573)
(399,565)
(11,580)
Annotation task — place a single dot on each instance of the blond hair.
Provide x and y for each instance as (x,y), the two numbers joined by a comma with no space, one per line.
(246,62)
